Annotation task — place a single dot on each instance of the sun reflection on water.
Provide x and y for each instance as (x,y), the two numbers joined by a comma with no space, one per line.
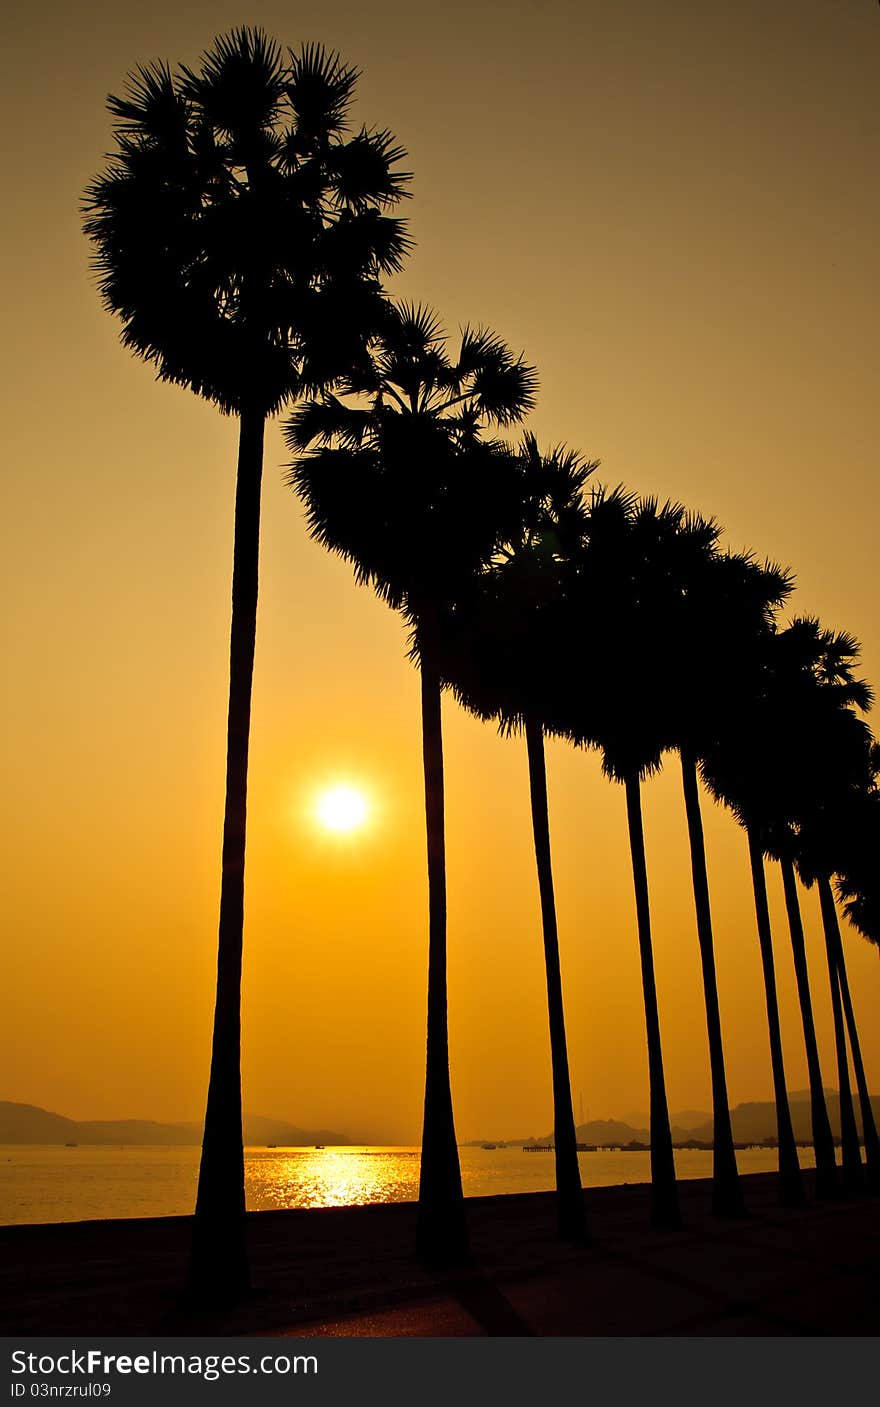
(330,1177)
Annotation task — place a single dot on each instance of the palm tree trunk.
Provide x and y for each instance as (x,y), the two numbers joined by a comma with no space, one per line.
(218,1263)
(664,1191)
(791,1184)
(827,1182)
(851,1156)
(869,1126)
(727,1197)
(571,1218)
(441,1228)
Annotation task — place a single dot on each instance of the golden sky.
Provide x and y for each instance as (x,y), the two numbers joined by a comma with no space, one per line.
(673,210)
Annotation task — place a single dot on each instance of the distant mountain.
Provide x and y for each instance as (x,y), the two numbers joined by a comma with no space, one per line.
(755,1122)
(26,1123)
(603,1131)
(258,1129)
(752,1123)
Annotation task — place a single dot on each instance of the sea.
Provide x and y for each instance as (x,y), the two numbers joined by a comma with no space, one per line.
(49,1183)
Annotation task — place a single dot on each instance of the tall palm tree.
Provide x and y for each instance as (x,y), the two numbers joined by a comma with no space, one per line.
(682,611)
(728,601)
(791,1185)
(769,768)
(397,478)
(757,770)
(869,1124)
(856,886)
(839,764)
(842,776)
(502,647)
(619,600)
(827,1182)
(732,770)
(849,1135)
(239,235)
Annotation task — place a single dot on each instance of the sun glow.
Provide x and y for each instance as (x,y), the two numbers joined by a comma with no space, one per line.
(342,808)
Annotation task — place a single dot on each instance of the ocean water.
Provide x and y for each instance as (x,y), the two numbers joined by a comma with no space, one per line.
(44,1183)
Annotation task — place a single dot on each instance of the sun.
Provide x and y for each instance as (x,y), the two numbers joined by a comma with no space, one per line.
(342,808)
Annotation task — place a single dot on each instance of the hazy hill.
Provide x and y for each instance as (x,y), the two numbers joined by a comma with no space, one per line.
(684,1119)
(753,1122)
(26,1123)
(602,1131)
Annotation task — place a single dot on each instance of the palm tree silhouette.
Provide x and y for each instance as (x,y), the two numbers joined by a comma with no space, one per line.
(396,478)
(840,748)
(869,1125)
(791,1186)
(856,887)
(841,774)
(502,643)
(827,1182)
(731,765)
(853,1177)
(239,236)
(619,602)
(759,768)
(725,599)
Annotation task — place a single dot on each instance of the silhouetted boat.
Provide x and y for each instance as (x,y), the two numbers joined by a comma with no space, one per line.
(319,1145)
(271,1145)
(537,1147)
(488,1145)
(71,1145)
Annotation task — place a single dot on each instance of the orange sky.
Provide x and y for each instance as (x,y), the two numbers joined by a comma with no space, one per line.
(672,209)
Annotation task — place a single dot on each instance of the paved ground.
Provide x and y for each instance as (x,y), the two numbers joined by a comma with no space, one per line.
(350,1272)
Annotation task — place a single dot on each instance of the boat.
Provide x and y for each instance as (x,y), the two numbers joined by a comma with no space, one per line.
(71,1145)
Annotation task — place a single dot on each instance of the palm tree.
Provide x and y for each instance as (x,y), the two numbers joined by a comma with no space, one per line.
(619,602)
(849,1135)
(839,764)
(791,1186)
(842,776)
(728,603)
(682,611)
(732,771)
(827,1183)
(768,767)
(239,236)
(502,646)
(397,478)
(856,887)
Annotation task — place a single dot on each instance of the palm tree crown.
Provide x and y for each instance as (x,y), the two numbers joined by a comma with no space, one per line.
(401,481)
(239,229)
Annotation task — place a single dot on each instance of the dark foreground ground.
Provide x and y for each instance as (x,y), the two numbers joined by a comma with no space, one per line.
(350,1272)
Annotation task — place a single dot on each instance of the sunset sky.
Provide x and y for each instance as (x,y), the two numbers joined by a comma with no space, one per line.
(672,209)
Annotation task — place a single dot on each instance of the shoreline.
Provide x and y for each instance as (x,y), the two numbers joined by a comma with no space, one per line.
(350,1271)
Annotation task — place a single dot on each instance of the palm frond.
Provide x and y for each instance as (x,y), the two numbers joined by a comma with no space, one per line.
(151,108)
(325,421)
(240,85)
(320,87)
(363,170)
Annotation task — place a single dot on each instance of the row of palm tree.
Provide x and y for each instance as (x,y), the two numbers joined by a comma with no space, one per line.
(678,647)
(242,232)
